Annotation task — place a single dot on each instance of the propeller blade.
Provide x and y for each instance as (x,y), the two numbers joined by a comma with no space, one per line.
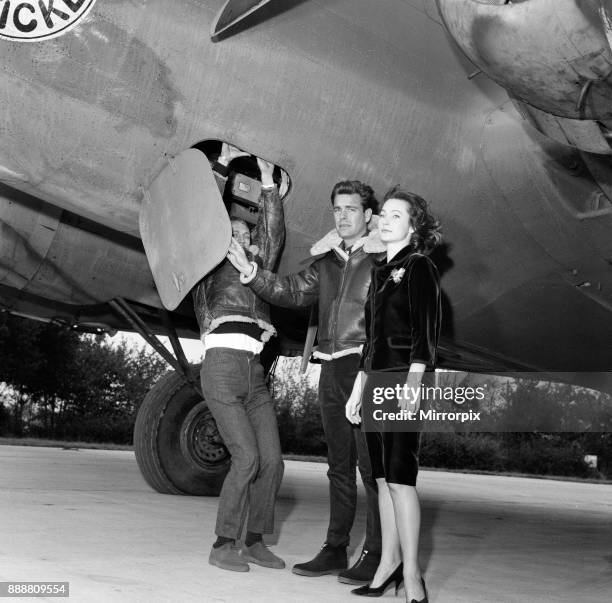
(233,12)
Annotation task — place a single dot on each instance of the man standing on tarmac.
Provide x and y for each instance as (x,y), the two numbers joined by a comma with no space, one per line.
(234,325)
(339,282)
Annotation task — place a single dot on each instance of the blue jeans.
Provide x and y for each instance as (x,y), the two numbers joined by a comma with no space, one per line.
(234,389)
(346,448)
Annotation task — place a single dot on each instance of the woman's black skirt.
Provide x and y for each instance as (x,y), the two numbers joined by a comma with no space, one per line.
(394,455)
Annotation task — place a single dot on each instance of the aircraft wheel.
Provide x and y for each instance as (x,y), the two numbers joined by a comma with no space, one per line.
(177,445)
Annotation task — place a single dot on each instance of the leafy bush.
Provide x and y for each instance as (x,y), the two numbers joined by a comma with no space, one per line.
(297,409)
(462,451)
(548,455)
(65,385)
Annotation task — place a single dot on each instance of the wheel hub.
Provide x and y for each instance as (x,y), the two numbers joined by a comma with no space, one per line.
(201,442)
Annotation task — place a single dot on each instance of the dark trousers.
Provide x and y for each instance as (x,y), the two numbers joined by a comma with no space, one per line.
(234,389)
(346,449)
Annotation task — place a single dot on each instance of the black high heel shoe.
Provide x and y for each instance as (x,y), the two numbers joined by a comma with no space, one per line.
(425,599)
(397,576)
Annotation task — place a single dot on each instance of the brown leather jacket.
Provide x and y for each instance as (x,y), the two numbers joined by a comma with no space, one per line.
(220,296)
(339,285)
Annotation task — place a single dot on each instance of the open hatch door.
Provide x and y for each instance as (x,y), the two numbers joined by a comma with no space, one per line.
(184,225)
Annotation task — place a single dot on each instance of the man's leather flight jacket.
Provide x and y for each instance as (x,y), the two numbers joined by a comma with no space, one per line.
(220,296)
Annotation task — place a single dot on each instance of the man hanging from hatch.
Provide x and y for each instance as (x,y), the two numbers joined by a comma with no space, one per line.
(338,280)
(234,325)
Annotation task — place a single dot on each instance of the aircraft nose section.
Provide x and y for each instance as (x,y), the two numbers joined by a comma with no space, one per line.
(552,54)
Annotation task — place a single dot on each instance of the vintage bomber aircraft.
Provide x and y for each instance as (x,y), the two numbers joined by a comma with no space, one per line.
(498,112)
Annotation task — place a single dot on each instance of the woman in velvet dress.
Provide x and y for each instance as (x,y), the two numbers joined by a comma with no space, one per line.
(402,329)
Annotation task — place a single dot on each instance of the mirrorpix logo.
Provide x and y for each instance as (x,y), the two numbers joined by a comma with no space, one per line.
(36,20)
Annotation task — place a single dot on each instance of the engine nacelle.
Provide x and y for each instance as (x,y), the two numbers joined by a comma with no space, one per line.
(552,56)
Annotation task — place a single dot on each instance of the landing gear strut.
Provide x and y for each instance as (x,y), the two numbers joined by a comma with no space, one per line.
(177,445)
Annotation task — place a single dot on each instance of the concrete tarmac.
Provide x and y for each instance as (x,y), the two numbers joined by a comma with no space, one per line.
(87,517)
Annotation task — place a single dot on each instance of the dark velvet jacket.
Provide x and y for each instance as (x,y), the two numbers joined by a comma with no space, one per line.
(402,313)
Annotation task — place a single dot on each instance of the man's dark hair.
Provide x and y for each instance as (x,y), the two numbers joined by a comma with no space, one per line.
(356,187)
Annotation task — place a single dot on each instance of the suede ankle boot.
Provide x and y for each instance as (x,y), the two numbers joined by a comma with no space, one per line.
(329,560)
(362,571)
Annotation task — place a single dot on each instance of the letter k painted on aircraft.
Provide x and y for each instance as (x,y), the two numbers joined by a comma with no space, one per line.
(47,10)
(74,6)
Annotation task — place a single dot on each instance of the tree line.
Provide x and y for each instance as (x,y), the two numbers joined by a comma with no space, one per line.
(527,426)
(58,384)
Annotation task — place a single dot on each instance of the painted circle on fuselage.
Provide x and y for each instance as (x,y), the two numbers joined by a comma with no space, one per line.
(36,20)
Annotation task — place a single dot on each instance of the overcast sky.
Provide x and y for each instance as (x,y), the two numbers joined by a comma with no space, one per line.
(192,347)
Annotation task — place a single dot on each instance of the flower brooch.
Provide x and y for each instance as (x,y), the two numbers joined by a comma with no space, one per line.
(397,274)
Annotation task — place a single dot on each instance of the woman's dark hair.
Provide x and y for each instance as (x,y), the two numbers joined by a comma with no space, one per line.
(356,187)
(427,233)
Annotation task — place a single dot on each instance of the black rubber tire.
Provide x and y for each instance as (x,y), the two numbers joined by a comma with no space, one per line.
(176,442)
